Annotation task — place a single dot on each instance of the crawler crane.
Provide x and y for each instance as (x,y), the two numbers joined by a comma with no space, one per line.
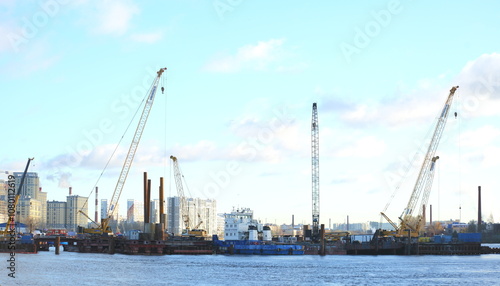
(408,221)
(188,232)
(104,227)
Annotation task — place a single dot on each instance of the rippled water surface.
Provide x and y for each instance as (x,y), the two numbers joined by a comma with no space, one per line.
(68,268)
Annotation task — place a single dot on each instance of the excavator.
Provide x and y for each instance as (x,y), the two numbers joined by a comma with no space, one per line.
(103,228)
(195,232)
(410,224)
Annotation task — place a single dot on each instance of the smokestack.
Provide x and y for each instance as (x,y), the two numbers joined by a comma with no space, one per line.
(479,209)
(161,201)
(424,219)
(430,213)
(147,203)
(145,194)
(96,204)
(70,191)
(347,223)
(293,221)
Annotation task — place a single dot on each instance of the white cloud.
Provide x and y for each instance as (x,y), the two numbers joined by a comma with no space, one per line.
(114,17)
(365,147)
(257,56)
(148,38)
(479,84)
(7,38)
(478,96)
(480,137)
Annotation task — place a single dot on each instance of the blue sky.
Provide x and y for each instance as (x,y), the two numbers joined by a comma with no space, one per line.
(241,80)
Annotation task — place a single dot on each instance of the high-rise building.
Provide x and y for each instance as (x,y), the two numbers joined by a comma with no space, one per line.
(56,214)
(104,208)
(135,211)
(74,218)
(31,184)
(154,216)
(202,214)
(32,205)
(175,224)
(3,201)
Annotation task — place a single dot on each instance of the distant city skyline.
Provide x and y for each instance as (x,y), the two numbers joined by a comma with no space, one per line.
(236,106)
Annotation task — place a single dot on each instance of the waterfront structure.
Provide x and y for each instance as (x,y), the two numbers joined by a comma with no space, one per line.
(74,218)
(32,205)
(202,215)
(154,214)
(104,208)
(238,223)
(220,226)
(135,211)
(3,200)
(56,214)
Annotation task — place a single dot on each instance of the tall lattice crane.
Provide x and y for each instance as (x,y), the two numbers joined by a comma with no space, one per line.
(315,170)
(180,193)
(133,148)
(422,188)
(104,227)
(194,232)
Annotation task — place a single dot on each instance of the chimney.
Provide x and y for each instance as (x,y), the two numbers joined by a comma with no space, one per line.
(147,203)
(430,214)
(70,192)
(145,194)
(424,218)
(347,223)
(479,219)
(96,204)
(162,220)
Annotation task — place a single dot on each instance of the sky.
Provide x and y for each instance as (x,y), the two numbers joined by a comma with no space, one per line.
(239,87)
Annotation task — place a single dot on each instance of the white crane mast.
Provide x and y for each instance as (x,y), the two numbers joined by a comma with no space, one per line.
(315,170)
(180,192)
(133,148)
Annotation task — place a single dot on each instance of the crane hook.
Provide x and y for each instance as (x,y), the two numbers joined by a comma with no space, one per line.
(162,89)
(456,114)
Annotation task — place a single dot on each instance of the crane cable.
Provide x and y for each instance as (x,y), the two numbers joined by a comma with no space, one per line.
(165,157)
(409,167)
(114,151)
(459,105)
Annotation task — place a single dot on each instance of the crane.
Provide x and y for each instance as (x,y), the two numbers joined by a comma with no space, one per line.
(425,177)
(180,192)
(315,171)
(191,232)
(104,227)
(11,223)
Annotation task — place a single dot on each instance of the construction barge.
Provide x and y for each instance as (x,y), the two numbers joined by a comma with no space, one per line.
(119,245)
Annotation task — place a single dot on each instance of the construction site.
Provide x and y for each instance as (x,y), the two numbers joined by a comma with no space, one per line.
(411,234)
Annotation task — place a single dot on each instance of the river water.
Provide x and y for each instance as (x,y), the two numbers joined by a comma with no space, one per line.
(68,268)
